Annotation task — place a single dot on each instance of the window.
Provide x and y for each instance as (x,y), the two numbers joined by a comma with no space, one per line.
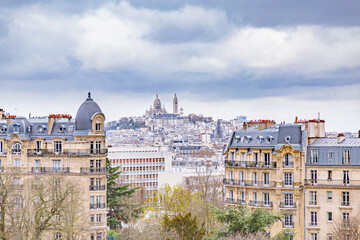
(329,175)
(329,216)
(17,202)
(266,178)
(345,219)
(98,236)
(231,176)
(254,178)
(346,157)
(56,164)
(1,147)
(266,199)
(232,155)
(98,217)
(288,179)
(98,147)
(38,145)
(314,155)
(329,195)
(17,163)
(267,159)
(37,165)
(61,129)
(345,199)
(288,200)
(99,201)
(313,174)
(330,156)
(329,236)
(91,147)
(242,156)
(313,218)
(242,196)
(255,197)
(92,218)
(16,148)
(16,128)
(346,178)
(242,178)
(288,220)
(256,157)
(313,197)
(57,147)
(288,161)
(313,236)
(98,126)
(57,236)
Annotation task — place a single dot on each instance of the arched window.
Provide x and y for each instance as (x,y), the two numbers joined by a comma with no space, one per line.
(16,148)
(288,161)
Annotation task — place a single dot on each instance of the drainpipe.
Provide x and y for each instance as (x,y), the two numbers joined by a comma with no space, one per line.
(304,205)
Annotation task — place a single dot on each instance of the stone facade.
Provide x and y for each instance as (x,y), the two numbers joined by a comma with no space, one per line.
(71,149)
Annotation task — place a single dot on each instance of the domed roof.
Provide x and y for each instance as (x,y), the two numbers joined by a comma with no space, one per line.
(19,125)
(157,103)
(85,113)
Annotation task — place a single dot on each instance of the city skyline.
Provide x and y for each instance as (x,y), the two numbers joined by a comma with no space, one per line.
(273,61)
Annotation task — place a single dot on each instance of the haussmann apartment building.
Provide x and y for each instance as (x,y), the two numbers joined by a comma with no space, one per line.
(70,148)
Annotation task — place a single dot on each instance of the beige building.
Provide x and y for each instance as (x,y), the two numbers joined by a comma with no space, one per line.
(265,169)
(332,186)
(295,169)
(59,145)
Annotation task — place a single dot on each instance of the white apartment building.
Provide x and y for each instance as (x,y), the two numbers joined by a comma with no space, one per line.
(141,165)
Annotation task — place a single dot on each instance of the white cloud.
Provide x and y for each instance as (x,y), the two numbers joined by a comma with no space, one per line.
(117,37)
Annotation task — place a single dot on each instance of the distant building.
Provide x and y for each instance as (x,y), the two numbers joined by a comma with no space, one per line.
(141,166)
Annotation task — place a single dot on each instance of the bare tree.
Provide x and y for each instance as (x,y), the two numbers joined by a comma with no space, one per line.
(348,229)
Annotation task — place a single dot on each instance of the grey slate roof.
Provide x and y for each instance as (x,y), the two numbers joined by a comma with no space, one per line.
(85,113)
(273,137)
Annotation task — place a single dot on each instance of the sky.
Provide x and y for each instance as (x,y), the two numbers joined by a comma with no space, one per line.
(270,59)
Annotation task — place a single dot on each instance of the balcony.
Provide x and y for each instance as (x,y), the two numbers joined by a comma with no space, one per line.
(93,170)
(312,202)
(288,164)
(249,183)
(287,205)
(2,153)
(96,187)
(50,170)
(66,152)
(250,164)
(333,183)
(97,206)
(313,224)
(260,203)
(230,200)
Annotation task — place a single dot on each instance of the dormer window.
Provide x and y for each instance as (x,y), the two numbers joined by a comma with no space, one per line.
(260,139)
(287,139)
(41,129)
(2,129)
(16,148)
(16,128)
(269,139)
(97,126)
(61,129)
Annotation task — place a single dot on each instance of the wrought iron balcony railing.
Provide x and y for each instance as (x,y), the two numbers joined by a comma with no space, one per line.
(93,170)
(97,187)
(50,169)
(97,206)
(330,182)
(287,205)
(66,152)
(261,203)
(249,183)
(250,164)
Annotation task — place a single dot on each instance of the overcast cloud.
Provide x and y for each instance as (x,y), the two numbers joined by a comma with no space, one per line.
(272,59)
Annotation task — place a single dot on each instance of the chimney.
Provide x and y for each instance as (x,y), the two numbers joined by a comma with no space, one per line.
(340,137)
(359,134)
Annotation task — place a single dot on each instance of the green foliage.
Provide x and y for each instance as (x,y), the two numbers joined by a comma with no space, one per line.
(118,199)
(185,226)
(245,220)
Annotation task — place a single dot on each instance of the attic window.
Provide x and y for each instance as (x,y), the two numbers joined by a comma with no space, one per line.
(248,139)
(97,126)
(2,129)
(61,129)
(41,129)
(260,139)
(269,139)
(16,128)
(287,138)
